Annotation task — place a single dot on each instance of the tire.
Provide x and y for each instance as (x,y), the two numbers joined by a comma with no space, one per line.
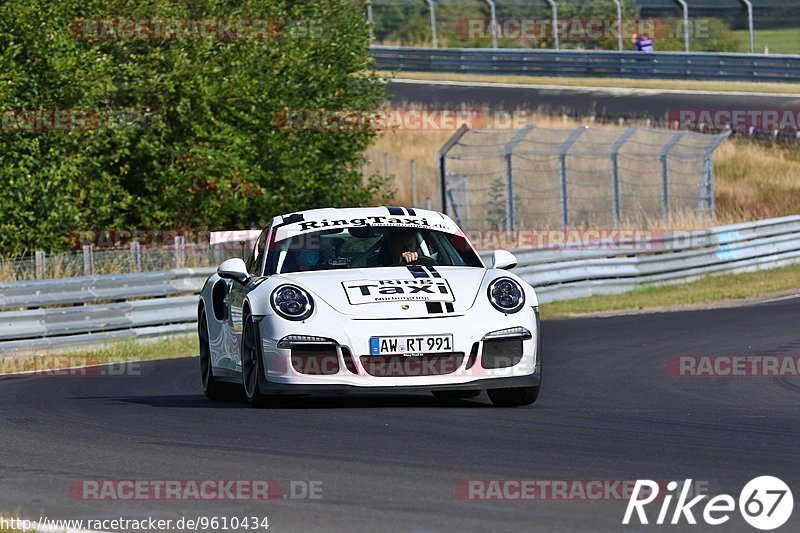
(212,388)
(251,363)
(455,394)
(516,397)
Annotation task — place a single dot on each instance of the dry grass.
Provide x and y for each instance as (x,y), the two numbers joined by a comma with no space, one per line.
(753,180)
(617,83)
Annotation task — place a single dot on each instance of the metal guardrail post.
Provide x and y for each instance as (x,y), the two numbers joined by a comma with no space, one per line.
(562,172)
(709,172)
(88,260)
(136,256)
(554,9)
(364,181)
(452,201)
(370,20)
(663,157)
(706,199)
(413,183)
(619,22)
(434,36)
(180,251)
(41,264)
(685,7)
(749,5)
(615,148)
(441,155)
(508,153)
(493,11)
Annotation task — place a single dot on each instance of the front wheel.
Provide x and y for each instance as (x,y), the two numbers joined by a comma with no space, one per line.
(251,363)
(516,397)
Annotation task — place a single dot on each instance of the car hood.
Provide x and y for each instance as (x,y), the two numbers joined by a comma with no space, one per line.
(394,292)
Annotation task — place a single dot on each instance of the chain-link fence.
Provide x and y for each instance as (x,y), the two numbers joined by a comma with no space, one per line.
(566,177)
(406,181)
(91,261)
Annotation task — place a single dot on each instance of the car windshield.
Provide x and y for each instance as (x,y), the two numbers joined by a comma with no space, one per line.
(369,246)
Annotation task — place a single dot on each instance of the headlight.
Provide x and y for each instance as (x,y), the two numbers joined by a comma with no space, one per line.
(292,303)
(506,295)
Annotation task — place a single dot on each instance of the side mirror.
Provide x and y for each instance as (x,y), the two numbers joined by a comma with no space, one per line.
(234,269)
(503,260)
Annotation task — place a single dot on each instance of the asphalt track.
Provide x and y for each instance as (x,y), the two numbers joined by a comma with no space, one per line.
(608,410)
(604,103)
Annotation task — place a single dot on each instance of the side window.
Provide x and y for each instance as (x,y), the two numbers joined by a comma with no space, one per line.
(254,263)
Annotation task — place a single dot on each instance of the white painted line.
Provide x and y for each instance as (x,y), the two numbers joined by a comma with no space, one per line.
(576,88)
(46,371)
(780,299)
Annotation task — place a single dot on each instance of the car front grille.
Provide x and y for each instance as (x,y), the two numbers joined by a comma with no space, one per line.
(389,366)
(501,353)
(319,360)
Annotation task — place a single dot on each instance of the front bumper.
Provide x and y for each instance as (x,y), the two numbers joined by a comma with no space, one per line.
(352,338)
(532,380)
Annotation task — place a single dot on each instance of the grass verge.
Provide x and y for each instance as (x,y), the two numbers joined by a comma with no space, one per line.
(782,41)
(117,352)
(614,83)
(709,290)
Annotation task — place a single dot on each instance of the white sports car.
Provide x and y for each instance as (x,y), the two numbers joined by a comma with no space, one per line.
(378,298)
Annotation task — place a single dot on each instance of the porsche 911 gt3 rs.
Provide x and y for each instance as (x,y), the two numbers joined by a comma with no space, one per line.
(379,298)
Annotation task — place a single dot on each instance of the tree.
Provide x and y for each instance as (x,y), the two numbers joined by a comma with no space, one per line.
(203,147)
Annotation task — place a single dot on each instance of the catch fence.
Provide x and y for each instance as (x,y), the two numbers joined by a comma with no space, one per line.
(576,177)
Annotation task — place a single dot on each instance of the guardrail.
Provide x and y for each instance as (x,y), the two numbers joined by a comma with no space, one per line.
(576,272)
(595,63)
(76,312)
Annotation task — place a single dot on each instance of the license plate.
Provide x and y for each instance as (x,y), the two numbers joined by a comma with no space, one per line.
(411,345)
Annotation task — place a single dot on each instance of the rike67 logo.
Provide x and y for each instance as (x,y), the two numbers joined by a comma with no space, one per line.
(765,503)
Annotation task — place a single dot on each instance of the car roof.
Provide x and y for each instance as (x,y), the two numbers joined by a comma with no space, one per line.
(314,220)
(360,212)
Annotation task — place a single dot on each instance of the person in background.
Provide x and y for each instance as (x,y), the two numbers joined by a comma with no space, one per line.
(643,42)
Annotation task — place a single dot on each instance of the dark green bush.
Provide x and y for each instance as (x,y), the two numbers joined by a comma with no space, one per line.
(197,144)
